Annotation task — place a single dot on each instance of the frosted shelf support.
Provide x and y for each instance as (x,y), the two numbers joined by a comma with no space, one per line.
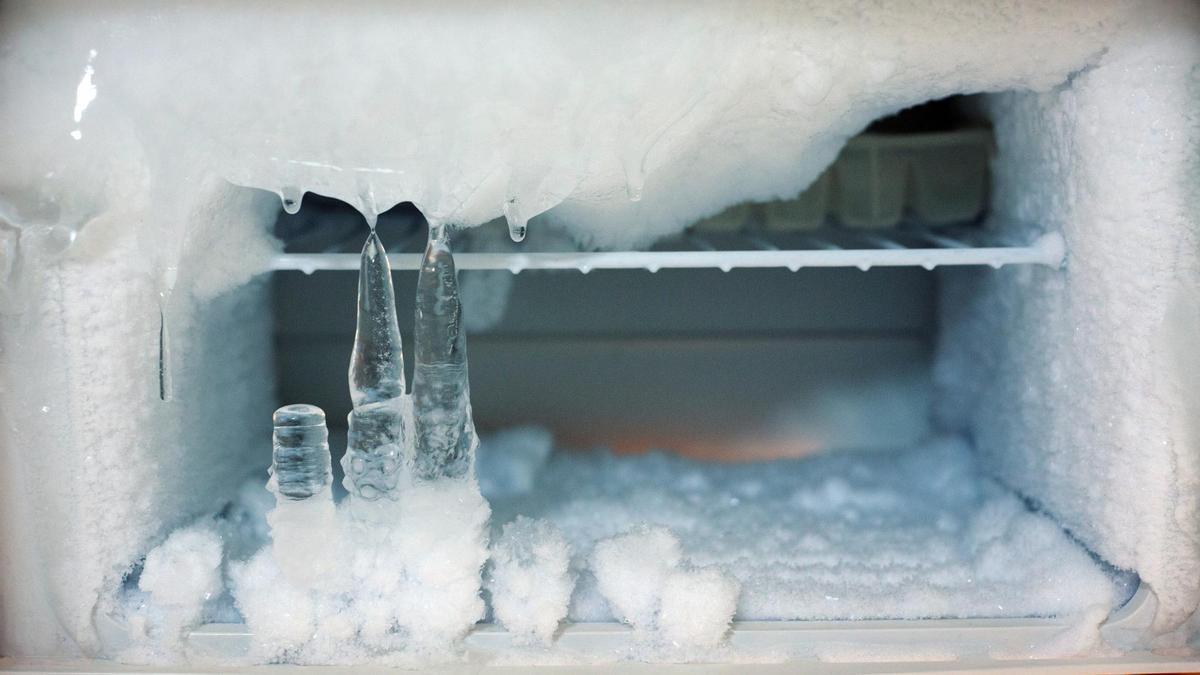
(1048,249)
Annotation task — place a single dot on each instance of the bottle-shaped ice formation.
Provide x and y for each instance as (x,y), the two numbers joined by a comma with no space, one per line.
(445,433)
(300,446)
(303,523)
(375,437)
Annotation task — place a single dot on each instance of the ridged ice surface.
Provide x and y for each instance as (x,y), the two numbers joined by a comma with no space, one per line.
(300,451)
(445,434)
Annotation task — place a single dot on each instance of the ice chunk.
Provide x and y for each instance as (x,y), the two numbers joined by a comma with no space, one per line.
(180,575)
(531,582)
(445,433)
(697,607)
(631,570)
(375,437)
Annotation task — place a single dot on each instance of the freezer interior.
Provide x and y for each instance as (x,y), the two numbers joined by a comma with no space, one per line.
(815,334)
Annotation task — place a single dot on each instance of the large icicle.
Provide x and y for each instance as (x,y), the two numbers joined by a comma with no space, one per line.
(445,433)
(375,439)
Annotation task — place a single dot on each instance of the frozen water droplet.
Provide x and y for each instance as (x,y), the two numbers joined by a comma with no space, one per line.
(864,266)
(585,268)
(300,445)
(652,268)
(725,267)
(517,223)
(291,198)
(445,432)
(793,267)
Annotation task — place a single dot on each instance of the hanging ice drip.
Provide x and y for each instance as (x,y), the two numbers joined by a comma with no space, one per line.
(445,432)
(376,435)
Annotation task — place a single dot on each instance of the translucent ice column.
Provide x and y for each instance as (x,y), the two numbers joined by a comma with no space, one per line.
(304,521)
(445,433)
(375,439)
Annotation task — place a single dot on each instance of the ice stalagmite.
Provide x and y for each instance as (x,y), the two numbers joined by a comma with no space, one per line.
(304,521)
(375,442)
(300,451)
(445,433)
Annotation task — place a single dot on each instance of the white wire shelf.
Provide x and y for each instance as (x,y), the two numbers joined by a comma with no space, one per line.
(864,250)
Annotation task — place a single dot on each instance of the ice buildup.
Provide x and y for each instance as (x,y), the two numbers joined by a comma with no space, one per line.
(396,572)
(446,441)
(376,436)
(531,580)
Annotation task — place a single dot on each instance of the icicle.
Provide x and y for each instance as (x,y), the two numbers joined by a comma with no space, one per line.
(166,387)
(516,222)
(291,198)
(376,424)
(377,361)
(445,433)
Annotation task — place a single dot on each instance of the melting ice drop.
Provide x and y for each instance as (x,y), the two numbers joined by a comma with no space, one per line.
(445,433)
(375,436)
(300,451)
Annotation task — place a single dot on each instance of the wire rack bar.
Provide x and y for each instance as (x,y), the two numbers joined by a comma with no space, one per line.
(1049,250)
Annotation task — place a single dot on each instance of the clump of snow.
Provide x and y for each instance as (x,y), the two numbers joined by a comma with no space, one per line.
(640,576)
(631,570)
(178,577)
(530,581)
(697,607)
(406,582)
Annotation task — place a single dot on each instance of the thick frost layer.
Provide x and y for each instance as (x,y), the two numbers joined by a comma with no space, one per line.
(1081,386)
(629,122)
(405,586)
(906,534)
(530,581)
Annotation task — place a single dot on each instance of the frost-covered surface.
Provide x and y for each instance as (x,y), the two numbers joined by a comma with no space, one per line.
(1081,387)
(405,587)
(914,533)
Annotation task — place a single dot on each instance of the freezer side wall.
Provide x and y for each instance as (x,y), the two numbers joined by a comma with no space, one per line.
(1079,386)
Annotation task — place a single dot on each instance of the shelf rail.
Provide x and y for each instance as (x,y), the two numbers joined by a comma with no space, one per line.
(882,251)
